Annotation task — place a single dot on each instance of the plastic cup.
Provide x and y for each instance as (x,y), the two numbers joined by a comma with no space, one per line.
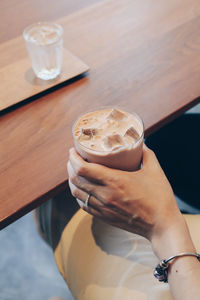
(44,43)
(127,157)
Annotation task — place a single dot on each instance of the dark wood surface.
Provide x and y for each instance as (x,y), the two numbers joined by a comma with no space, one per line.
(144,56)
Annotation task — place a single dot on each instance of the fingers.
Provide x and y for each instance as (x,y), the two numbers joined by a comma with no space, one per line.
(89,209)
(92,171)
(83,195)
(81,182)
(93,204)
(96,207)
(86,185)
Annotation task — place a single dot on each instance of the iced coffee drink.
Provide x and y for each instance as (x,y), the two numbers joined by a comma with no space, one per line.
(110,137)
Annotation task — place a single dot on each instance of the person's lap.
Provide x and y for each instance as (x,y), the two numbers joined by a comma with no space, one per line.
(99,261)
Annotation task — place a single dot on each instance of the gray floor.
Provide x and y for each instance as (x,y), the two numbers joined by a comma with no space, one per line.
(27,266)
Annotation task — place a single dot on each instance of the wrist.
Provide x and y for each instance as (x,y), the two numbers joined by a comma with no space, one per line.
(171,239)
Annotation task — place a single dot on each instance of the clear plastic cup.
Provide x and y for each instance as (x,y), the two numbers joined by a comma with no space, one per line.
(126,157)
(44,42)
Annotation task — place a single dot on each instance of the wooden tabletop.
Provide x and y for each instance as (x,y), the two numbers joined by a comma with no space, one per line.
(144,56)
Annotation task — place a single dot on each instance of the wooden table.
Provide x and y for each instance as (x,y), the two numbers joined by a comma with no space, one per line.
(144,56)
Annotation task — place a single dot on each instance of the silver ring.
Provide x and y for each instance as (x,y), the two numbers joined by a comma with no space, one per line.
(87,201)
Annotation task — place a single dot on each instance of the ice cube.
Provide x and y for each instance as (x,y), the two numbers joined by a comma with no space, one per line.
(131,132)
(43,35)
(116,114)
(87,133)
(113,142)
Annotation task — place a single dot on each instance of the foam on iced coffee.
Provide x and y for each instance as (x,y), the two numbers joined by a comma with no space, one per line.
(110,137)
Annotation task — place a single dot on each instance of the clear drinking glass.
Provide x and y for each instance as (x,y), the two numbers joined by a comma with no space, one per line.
(44,42)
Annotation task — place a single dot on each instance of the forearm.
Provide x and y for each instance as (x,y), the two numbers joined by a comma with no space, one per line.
(184,272)
(184,278)
(141,202)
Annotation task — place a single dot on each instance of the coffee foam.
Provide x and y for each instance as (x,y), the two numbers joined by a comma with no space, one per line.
(110,137)
(107,130)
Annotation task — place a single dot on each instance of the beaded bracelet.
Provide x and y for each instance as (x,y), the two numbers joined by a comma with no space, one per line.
(161,270)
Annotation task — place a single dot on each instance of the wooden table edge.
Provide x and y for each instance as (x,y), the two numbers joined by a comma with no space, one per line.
(62,185)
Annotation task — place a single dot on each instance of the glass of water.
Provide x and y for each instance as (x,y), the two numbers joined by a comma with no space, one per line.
(44,42)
